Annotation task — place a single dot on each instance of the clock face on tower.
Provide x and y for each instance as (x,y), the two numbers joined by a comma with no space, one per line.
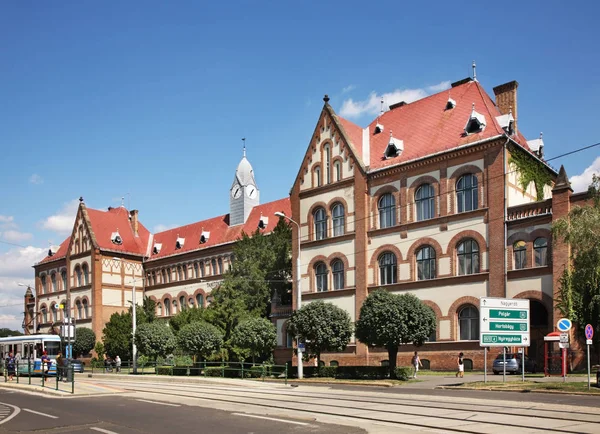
(236,191)
(251,191)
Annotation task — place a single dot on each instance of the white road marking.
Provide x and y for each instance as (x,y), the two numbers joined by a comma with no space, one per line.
(105,431)
(41,414)
(17,411)
(159,403)
(270,418)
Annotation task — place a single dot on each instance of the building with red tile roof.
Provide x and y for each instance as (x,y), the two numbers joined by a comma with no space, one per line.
(94,271)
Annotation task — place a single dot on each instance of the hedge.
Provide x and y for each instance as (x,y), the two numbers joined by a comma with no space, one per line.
(403,373)
(351,372)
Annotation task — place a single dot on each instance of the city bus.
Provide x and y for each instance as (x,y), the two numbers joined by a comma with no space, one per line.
(31,348)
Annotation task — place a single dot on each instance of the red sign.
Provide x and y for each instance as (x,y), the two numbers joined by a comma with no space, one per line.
(589,331)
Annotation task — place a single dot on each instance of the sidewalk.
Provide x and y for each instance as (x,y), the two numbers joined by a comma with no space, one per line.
(82,388)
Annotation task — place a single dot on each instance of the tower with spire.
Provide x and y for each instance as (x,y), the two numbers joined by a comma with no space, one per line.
(244,194)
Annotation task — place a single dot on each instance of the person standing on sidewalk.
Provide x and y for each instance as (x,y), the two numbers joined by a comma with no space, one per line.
(10,366)
(461,366)
(59,366)
(118,363)
(416,362)
(46,362)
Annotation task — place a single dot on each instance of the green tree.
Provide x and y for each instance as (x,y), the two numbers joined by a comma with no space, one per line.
(185,317)
(99,349)
(4,333)
(117,336)
(256,337)
(85,339)
(579,292)
(200,339)
(155,339)
(322,326)
(146,312)
(388,320)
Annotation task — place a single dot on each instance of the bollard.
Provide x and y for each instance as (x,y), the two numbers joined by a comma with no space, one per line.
(286,372)
(242,370)
(29,370)
(57,368)
(17,371)
(263,371)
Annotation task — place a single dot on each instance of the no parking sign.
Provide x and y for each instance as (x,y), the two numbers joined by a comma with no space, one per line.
(589,331)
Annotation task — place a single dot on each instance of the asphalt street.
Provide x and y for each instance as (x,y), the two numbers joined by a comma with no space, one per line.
(134,414)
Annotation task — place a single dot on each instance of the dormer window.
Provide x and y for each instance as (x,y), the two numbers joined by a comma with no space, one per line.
(450,104)
(204,237)
(263,222)
(507,123)
(378,128)
(52,250)
(115,237)
(179,243)
(156,248)
(537,146)
(476,122)
(394,148)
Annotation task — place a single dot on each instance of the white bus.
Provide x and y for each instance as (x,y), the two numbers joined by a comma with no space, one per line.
(31,348)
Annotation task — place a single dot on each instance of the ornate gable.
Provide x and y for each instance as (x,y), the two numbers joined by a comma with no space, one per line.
(82,237)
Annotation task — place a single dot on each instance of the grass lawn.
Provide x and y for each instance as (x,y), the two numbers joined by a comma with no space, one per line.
(580,387)
(329,380)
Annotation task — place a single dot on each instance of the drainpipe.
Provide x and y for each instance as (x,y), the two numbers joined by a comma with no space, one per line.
(505,164)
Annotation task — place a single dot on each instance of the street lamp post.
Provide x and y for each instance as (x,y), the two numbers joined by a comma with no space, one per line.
(298,290)
(133,320)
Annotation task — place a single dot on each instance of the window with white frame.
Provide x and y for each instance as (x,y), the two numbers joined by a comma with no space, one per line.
(387,210)
(425,202)
(321,277)
(320,218)
(388,273)
(86,274)
(337,268)
(338,170)
(78,276)
(328,164)
(338,219)
(466,193)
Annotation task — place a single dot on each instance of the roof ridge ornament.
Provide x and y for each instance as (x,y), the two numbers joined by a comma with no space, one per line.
(474,66)
(244,146)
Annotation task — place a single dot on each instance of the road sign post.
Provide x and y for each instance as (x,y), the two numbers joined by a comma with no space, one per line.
(589,334)
(504,322)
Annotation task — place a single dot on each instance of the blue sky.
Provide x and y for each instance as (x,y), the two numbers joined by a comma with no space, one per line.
(150,100)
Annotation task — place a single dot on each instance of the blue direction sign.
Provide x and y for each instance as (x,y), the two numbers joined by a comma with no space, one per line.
(589,331)
(564,325)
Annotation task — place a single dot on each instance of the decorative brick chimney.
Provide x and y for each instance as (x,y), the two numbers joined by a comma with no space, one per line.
(133,219)
(506,99)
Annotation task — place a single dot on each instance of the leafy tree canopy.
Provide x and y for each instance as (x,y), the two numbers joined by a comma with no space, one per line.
(117,337)
(256,337)
(200,339)
(85,340)
(185,317)
(4,333)
(155,339)
(322,326)
(389,320)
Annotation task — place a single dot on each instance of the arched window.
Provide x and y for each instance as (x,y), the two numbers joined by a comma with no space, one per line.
(44,284)
(468,323)
(55,313)
(53,282)
(468,257)
(321,277)
(199,300)
(169,275)
(182,302)
(196,270)
(167,307)
(63,277)
(180,272)
(520,254)
(213,264)
(387,210)
(317,182)
(78,276)
(424,200)
(202,269)
(338,274)
(540,246)
(79,308)
(86,274)
(320,218)
(86,312)
(159,309)
(426,263)
(387,269)
(328,164)
(220,263)
(44,314)
(164,275)
(466,193)
(338,219)
(334,363)
(338,171)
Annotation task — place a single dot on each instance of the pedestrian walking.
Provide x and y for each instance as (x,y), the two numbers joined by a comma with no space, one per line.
(10,366)
(59,366)
(118,363)
(416,362)
(46,362)
(461,366)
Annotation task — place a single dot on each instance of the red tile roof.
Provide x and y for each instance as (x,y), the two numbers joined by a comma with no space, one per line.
(104,223)
(354,134)
(59,254)
(220,231)
(426,127)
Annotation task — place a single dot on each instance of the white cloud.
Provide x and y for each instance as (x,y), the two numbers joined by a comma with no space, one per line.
(348,88)
(582,181)
(15,236)
(16,267)
(6,219)
(36,179)
(62,221)
(162,228)
(372,105)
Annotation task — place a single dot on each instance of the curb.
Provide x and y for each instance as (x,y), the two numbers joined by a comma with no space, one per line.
(555,392)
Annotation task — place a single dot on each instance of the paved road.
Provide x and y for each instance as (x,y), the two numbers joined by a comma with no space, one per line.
(137,414)
(379,410)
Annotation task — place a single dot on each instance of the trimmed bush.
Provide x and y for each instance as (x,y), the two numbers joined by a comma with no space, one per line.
(362,372)
(164,370)
(328,371)
(403,373)
(213,371)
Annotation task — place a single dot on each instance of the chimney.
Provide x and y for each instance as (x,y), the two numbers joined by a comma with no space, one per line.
(133,217)
(506,99)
